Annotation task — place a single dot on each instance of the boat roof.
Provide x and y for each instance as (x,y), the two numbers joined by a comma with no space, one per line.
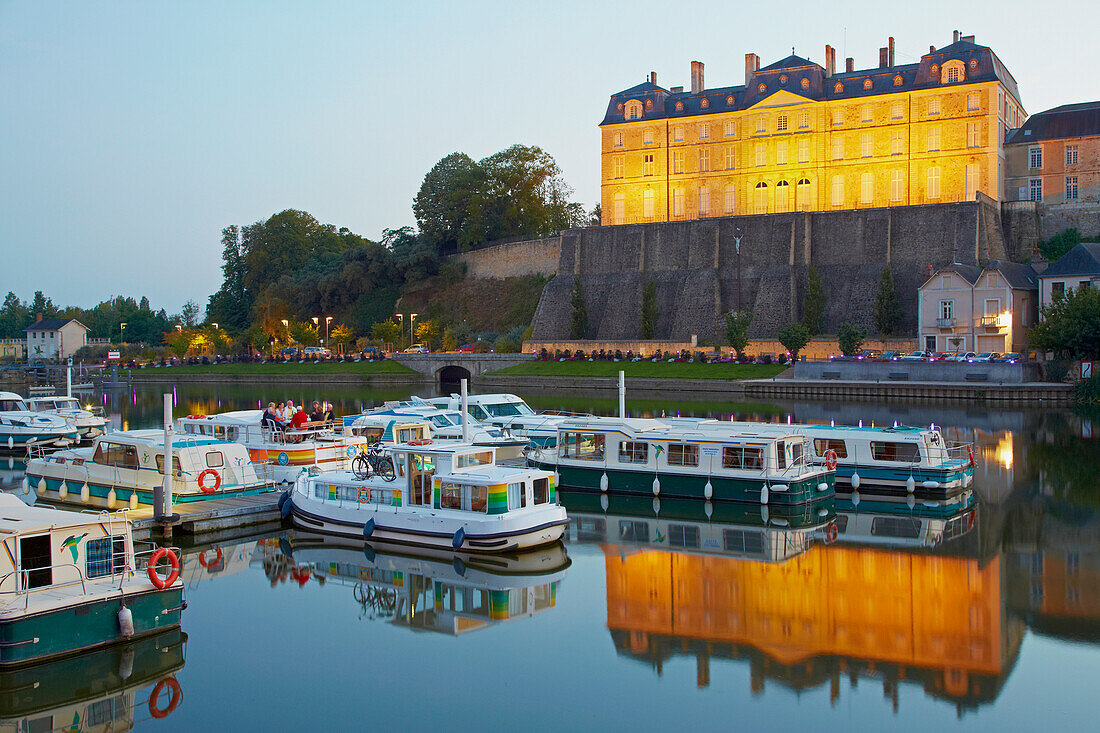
(667,429)
(10,396)
(234,417)
(479,398)
(155,438)
(51,398)
(19,518)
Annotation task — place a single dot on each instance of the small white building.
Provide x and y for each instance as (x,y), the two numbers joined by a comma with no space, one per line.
(1078,268)
(968,308)
(55,338)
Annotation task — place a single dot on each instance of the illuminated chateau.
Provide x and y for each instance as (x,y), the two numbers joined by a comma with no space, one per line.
(798,136)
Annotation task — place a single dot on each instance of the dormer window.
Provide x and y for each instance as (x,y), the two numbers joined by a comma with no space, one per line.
(935,70)
(761,87)
(838,88)
(953,72)
(649,104)
(704,104)
(898,81)
(783,79)
(973,64)
(633,110)
(679,106)
(729,101)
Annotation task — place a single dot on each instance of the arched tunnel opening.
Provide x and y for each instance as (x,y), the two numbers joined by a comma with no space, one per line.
(450,378)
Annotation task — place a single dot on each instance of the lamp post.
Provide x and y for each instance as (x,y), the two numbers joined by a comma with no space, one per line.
(214,341)
(286,323)
(412,319)
(328,320)
(400,327)
(121,330)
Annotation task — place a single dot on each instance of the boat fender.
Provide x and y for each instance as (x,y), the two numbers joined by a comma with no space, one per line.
(368,552)
(656,506)
(911,501)
(855,499)
(822,512)
(603,481)
(25,485)
(126,663)
(154,577)
(969,453)
(830,459)
(62,490)
(764,494)
(368,528)
(910,485)
(174,695)
(11,443)
(765,513)
(85,493)
(708,491)
(855,480)
(656,486)
(823,486)
(459,566)
(42,486)
(459,538)
(133,500)
(931,484)
(708,508)
(282,499)
(603,502)
(112,499)
(286,508)
(125,622)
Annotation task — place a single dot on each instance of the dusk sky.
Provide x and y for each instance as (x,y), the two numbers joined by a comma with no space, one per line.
(133,132)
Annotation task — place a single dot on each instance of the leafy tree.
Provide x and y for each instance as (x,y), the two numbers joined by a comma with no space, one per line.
(850,338)
(231,306)
(649,310)
(179,341)
(887,307)
(794,338)
(1059,244)
(14,317)
(304,333)
(737,331)
(595,217)
(388,331)
(189,314)
(578,321)
(1070,325)
(427,333)
(442,205)
(813,304)
(342,335)
(414,255)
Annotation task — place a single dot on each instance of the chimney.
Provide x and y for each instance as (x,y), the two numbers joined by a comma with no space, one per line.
(830,61)
(696,77)
(849,65)
(956,39)
(752,65)
(653,77)
(677,90)
(890,45)
(883,57)
(931,49)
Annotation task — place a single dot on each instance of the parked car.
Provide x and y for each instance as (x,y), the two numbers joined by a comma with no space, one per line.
(1012,358)
(962,356)
(915,356)
(465,349)
(866,355)
(315,351)
(417,349)
(289,352)
(939,356)
(372,352)
(986,357)
(889,356)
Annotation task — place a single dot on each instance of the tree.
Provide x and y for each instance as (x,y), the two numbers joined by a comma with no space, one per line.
(442,204)
(595,217)
(1070,325)
(178,341)
(189,314)
(388,331)
(342,335)
(850,338)
(1053,249)
(794,338)
(304,333)
(737,331)
(578,321)
(649,310)
(427,333)
(42,305)
(14,317)
(887,307)
(231,306)
(813,304)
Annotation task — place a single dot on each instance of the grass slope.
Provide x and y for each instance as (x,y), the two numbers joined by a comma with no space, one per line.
(643,369)
(363,367)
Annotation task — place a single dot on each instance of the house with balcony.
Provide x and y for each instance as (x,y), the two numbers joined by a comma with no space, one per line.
(1078,268)
(970,308)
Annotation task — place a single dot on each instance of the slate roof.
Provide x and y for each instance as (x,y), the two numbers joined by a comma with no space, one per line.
(970,273)
(1084,259)
(1019,276)
(52,324)
(1068,121)
(791,62)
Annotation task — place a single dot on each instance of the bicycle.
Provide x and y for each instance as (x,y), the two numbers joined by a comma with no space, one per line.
(373,462)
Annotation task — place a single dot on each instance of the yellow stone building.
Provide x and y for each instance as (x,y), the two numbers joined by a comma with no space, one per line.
(798,136)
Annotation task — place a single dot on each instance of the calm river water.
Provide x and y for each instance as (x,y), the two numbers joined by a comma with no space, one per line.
(649,617)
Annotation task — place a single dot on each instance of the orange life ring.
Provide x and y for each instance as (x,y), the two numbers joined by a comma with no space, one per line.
(174,695)
(196,417)
(970,453)
(421,441)
(831,533)
(830,459)
(217,481)
(154,576)
(217,558)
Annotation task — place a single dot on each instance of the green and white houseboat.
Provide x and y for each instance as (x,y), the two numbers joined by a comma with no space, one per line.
(71,582)
(655,458)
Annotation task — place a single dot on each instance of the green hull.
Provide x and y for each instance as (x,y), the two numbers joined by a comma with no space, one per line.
(85,625)
(686,486)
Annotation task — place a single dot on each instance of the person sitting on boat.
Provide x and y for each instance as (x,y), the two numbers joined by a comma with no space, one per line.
(297,423)
(318,415)
(327,414)
(288,412)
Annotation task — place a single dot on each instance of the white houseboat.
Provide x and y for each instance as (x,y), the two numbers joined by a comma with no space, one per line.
(446,424)
(446,494)
(72,581)
(654,458)
(280,454)
(510,412)
(87,419)
(20,426)
(126,467)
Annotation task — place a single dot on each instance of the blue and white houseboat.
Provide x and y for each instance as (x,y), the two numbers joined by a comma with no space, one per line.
(21,427)
(510,412)
(446,423)
(88,420)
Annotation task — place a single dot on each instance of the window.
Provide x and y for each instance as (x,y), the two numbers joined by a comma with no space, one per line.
(683,454)
(704,201)
(704,160)
(866,145)
(114,454)
(729,157)
(972,134)
(838,190)
(542,491)
(1057,289)
(742,457)
(953,74)
(992,306)
(678,202)
(781,123)
(760,128)
(1071,155)
(647,137)
(929,343)
(729,101)
(177,470)
(101,714)
(633,109)
(761,154)
(1035,157)
(865,113)
(866,188)
(838,147)
(704,130)
(585,446)
(1035,189)
(934,139)
(678,161)
(803,150)
(805,83)
(905,452)
(647,164)
(450,496)
(896,142)
(730,128)
(619,215)
(679,106)
(215,459)
(633,531)
(703,104)
(933,188)
(803,120)
(838,116)
(730,198)
(897,527)
(973,101)
(933,105)
(683,535)
(781,153)
(782,196)
(947,309)
(741,541)
(803,194)
(897,111)
(105,556)
(867,84)
(633,452)
(971,181)
(617,167)
(1071,188)
(760,198)
(517,497)
(618,140)
(678,133)
(824,445)
(648,200)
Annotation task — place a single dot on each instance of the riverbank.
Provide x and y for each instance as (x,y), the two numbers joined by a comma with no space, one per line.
(361,373)
(642,370)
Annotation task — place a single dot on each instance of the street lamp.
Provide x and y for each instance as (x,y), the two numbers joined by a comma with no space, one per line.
(121,329)
(412,317)
(400,327)
(287,324)
(179,328)
(328,320)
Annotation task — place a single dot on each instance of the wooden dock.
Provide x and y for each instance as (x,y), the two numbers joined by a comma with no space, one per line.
(214,515)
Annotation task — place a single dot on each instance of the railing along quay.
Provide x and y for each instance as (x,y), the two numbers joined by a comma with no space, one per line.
(1027,393)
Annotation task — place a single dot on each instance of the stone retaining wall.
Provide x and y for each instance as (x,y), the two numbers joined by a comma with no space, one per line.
(513,259)
(917,371)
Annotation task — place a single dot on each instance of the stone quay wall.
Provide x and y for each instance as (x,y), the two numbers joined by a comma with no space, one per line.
(512,259)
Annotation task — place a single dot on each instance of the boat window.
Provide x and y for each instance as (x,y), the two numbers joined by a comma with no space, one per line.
(904,452)
(479,498)
(542,490)
(841,523)
(102,713)
(468,498)
(739,456)
(517,497)
(781,453)
(232,433)
(105,556)
(482,458)
(373,435)
(633,531)
(742,541)
(681,454)
(477,412)
(177,470)
(215,459)
(404,435)
(585,446)
(422,468)
(207,429)
(35,560)
(450,496)
(683,535)
(12,406)
(509,409)
(796,452)
(440,421)
(113,454)
(824,445)
(631,452)
(904,527)
(219,432)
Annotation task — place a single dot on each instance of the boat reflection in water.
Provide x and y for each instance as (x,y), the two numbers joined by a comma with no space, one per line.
(106,690)
(894,597)
(423,589)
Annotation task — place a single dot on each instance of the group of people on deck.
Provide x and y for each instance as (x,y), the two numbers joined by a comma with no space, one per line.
(285,416)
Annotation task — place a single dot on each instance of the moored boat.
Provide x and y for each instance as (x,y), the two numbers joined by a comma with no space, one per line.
(447,424)
(446,494)
(88,419)
(510,412)
(21,427)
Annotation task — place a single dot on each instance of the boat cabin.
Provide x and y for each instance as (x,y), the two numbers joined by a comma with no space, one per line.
(388,429)
(53,404)
(11,402)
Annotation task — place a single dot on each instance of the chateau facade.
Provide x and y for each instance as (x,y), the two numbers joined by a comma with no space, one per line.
(798,136)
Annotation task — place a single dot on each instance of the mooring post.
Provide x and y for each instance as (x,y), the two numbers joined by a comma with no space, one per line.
(162,497)
(622,394)
(465,414)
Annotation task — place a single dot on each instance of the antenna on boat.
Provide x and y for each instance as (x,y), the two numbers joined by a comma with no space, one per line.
(465,414)
(622,394)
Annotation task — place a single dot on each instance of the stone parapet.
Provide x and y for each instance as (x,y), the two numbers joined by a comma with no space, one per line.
(512,259)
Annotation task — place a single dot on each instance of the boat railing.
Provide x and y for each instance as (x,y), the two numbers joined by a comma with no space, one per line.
(959,451)
(41,450)
(22,577)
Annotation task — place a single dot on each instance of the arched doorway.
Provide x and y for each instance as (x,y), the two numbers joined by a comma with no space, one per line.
(450,377)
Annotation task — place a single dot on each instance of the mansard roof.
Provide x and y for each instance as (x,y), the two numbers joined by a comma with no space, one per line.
(1068,121)
(788,74)
(1084,259)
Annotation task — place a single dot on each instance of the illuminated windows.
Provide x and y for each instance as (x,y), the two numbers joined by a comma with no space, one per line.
(897,111)
(897,185)
(730,128)
(933,105)
(897,142)
(866,145)
(618,140)
(678,133)
(617,166)
(802,196)
(647,164)
(781,123)
(803,120)
(837,191)
(838,147)
(760,198)
(678,161)
(865,113)
(932,186)
(761,154)
(760,126)
(781,153)
(704,130)
(619,211)
(803,150)
(730,157)
(633,110)
(866,188)
(648,200)
(647,137)
(933,139)
(973,101)
(704,160)
(782,196)
(972,135)
(838,116)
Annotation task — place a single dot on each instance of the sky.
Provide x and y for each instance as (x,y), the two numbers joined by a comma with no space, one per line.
(132,133)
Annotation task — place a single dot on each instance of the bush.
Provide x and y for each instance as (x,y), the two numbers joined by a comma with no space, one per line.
(1087,391)
(794,338)
(850,338)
